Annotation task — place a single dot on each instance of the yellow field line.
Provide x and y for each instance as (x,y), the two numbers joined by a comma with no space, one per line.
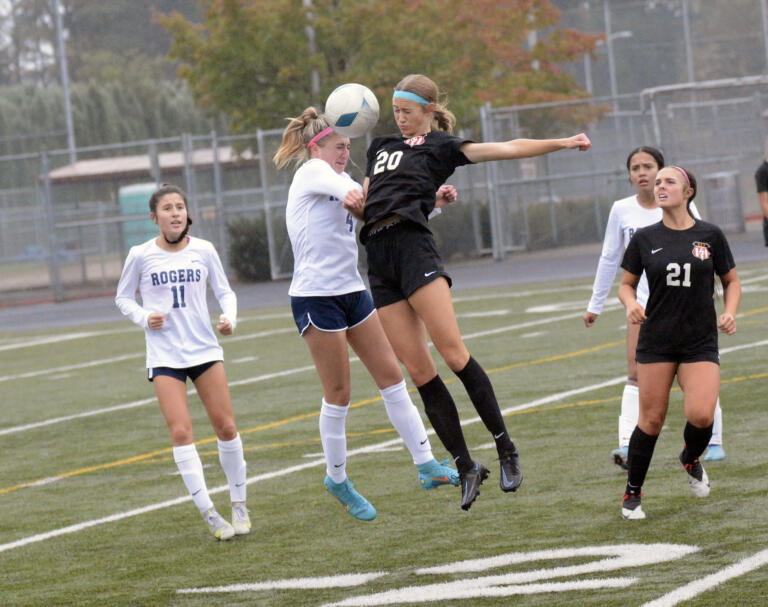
(581,403)
(166,451)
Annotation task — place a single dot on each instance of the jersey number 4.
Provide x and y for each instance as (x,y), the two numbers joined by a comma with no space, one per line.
(386,161)
(673,274)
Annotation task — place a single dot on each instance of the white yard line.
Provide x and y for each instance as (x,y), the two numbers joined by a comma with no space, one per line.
(243,382)
(318,462)
(689,591)
(106,361)
(267,476)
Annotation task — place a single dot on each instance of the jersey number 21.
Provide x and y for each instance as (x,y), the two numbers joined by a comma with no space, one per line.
(673,274)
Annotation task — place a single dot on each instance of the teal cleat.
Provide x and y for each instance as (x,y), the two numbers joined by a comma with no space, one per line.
(353,502)
(433,474)
(619,457)
(715,453)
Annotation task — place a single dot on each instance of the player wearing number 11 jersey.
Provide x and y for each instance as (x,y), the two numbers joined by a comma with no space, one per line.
(172,272)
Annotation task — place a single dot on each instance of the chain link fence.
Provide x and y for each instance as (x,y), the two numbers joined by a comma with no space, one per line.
(65,227)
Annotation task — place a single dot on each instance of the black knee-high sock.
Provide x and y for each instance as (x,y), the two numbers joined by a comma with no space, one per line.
(696,441)
(640,452)
(480,391)
(765,230)
(441,411)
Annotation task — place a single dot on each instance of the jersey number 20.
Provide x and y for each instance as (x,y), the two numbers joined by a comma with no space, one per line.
(673,274)
(385,160)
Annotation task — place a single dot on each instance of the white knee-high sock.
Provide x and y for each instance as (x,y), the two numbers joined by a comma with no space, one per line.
(717,426)
(406,419)
(334,438)
(191,469)
(630,410)
(233,461)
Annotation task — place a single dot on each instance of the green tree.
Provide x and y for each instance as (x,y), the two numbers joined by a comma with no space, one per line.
(253,62)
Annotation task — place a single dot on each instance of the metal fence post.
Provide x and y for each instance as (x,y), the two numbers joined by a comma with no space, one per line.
(490,185)
(219,198)
(189,172)
(274,270)
(551,196)
(53,247)
(154,162)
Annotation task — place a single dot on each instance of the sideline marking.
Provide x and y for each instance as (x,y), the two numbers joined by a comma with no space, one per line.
(265,426)
(614,558)
(278,473)
(346,580)
(689,591)
(258,378)
(104,361)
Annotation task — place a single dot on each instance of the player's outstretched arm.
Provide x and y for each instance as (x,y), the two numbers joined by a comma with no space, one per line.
(523,148)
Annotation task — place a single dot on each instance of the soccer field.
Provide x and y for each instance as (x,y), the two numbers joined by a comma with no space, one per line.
(94,513)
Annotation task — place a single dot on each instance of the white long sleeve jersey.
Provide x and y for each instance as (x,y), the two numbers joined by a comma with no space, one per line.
(626,217)
(322,232)
(175,284)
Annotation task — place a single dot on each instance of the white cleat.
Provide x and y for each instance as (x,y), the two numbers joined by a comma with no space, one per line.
(241,522)
(219,527)
(631,509)
(698,480)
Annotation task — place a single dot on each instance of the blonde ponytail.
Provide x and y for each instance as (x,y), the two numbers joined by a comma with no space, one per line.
(297,135)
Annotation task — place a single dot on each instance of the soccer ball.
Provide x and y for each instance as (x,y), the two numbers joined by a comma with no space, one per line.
(352,110)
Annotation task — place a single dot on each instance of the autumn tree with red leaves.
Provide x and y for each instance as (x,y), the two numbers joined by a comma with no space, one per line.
(253,61)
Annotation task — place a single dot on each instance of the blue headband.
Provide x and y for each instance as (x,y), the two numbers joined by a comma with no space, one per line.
(410,96)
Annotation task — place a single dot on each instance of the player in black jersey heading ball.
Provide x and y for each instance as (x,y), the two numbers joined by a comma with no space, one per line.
(404,183)
(678,334)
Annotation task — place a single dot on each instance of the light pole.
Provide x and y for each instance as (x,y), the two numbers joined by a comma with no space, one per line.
(65,84)
(687,35)
(764,11)
(611,64)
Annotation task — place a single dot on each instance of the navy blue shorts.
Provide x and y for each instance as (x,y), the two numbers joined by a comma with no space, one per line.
(181,374)
(401,260)
(332,312)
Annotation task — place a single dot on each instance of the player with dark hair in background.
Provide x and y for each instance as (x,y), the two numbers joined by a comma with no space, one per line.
(172,272)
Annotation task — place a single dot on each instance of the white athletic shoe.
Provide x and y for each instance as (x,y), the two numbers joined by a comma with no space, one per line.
(698,480)
(631,509)
(240,519)
(219,527)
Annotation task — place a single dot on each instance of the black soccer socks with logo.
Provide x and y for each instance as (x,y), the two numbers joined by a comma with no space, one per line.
(696,441)
(481,393)
(640,452)
(441,411)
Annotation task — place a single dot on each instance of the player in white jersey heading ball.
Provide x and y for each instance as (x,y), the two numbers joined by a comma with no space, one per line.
(171,273)
(626,217)
(332,308)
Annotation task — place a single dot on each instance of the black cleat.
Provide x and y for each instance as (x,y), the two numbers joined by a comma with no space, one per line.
(470,484)
(511,474)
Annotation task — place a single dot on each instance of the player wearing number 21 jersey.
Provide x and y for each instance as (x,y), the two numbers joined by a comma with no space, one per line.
(681,266)
(174,283)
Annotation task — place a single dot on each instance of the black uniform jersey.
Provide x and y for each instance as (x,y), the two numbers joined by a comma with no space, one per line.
(761,177)
(681,267)
(405,174)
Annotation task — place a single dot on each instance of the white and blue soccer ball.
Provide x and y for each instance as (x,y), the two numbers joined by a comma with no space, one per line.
(352,110)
